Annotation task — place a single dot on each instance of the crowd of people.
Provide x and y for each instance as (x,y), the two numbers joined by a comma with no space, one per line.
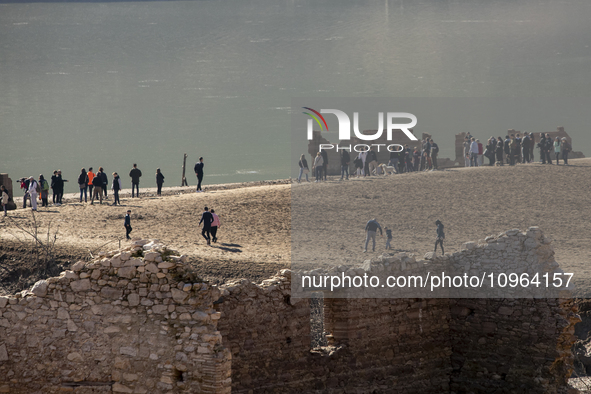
(92,185)
(423,158)
(515,148)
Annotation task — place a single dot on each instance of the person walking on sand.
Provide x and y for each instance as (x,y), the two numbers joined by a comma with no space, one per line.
(127,224)
(318,161)
(215,225)
(388,238)
(83,184)
(90,175)
(116,187)
(34,189)
(207,220)
(159,181)
(370,229)
(97,182)
(5,198)
(440,236)
(304,170)
(44,190)
(199,173)
(135,175)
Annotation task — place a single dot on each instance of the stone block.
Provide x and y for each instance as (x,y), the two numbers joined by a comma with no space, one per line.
(80,285)
(127,272)
(40,288)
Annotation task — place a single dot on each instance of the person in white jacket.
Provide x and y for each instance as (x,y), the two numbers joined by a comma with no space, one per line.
(33,192)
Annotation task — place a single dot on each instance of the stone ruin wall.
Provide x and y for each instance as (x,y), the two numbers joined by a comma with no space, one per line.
(146,325)
(7,182)
(118,324)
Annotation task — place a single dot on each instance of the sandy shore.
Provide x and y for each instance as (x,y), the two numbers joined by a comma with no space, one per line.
(256,236)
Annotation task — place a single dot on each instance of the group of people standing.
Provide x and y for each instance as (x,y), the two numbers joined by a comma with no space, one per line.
(98,183)
(366,163)
(515,148)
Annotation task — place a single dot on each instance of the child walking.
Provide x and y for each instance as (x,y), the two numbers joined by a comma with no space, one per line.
(128,224)
(440,236)
(389,238)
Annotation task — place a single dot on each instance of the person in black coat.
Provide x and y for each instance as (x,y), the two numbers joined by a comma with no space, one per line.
(105,182)
(199,172)
(59,186)
(53,189)
(345,160)
(159,181)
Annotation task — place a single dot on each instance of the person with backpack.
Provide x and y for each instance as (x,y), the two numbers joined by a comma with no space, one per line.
(34,190)
(97,182)
(135,175)
(5,198)
(116,187)
(83,184)
(440,236)
(345,160)
(44,191)
(566,149)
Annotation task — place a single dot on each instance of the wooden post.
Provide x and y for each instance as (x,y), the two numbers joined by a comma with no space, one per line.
(184,180)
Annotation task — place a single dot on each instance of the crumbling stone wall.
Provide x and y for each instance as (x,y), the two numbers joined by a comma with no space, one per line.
(7,182)
(138,321)
(120,324)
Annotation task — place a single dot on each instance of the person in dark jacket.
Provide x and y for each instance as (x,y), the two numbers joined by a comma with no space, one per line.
(199,172)
(526,148)
(207,220)
(434,153)
(542,146)
(53,189)
(116,187)
(97,182)
(490,151)
(135,175)
(304,170)
(83,184)
(60,186)
(324,155)
(549,148)
(159,181)
(566,148)
(105,182)
(345,160)
(440,236)
(127,224)
(371,228)
(500,148)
